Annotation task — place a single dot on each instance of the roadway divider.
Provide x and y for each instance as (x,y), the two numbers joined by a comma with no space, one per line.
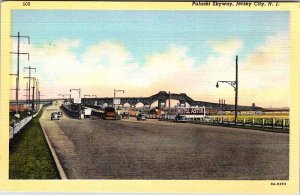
(97,113)
(266,124)
(70,111)
(16,127)
(93,106)
(263,123)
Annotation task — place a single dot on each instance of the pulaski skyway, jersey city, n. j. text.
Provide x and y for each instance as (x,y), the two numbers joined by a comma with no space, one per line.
(232,4)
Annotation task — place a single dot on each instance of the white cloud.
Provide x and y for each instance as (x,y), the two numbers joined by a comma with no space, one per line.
(109,65)
(229,46)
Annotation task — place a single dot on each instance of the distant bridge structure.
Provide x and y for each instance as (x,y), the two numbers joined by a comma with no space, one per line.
(162,97)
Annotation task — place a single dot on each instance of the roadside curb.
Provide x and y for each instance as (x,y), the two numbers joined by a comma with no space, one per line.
(57,163)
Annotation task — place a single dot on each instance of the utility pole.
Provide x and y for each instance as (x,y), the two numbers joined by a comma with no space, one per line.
(39,100)
(67,94)
(26,95)
(18,68)
(27,102)
(33,78)
(236,89)
(36,92)
(233,84)
(29,68)
(169,100)
(33,87)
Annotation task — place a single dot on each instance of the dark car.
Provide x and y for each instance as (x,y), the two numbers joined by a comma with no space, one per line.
(141,117)
(54,116)
(125,115)
(180,118)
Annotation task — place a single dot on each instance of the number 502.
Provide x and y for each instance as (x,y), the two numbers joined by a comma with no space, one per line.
(26,3)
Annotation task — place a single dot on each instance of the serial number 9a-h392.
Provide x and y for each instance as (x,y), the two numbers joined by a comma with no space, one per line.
(278,183)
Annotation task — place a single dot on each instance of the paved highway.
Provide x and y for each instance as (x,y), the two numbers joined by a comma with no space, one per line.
(127,149)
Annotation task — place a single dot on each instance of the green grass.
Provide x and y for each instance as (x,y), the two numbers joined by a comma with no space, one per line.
(29,155)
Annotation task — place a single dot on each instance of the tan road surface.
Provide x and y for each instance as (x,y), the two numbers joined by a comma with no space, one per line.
(106,149)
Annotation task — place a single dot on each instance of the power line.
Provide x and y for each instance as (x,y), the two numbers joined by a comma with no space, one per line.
(18,67)
(32,102)
(29,68)
(37,92)
(33,87)
(27,102)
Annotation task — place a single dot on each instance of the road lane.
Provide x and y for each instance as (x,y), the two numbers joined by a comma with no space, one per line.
(106,149)
(64,147)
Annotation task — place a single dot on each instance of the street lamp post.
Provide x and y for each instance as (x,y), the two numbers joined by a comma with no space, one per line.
(235,85)
(69,95)
(116,91)
(63,95)
(95,103)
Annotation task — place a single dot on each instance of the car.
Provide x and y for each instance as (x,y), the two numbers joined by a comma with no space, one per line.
(54,116)
(125,115)
(180,118)
(118,117)
(141,117)
(60,114)
(206,119)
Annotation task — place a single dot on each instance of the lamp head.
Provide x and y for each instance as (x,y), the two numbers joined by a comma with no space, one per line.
(217,85)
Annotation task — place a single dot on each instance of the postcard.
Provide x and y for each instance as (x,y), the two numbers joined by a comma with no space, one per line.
(160,97)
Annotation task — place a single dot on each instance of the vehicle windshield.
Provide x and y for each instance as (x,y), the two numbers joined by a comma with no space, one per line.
(110,109)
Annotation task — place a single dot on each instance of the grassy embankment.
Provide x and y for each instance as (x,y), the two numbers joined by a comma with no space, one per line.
(29,155)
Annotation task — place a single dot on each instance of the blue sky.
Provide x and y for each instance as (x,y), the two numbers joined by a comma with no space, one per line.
(145,32)
(153,50)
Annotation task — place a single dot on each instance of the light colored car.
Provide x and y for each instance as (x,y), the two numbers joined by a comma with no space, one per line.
(206,119)
(54,116)
(180,118)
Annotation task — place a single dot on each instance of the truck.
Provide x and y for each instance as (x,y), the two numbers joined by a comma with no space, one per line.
(87,112)
(110,113)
